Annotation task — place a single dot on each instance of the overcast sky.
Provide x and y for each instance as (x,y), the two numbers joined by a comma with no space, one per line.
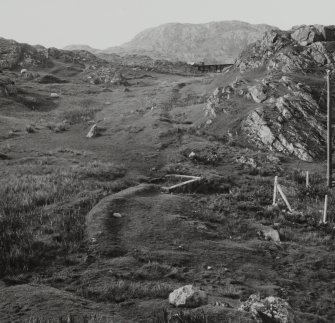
(104,23)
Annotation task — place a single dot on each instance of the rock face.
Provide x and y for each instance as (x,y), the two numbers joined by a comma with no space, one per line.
(188,296)
(13,54)
(285,102)
(271,309)
(298,50)
(306,35)
(258,93)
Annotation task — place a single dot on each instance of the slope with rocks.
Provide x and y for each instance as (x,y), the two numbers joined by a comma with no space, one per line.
(280,85)
(214,42)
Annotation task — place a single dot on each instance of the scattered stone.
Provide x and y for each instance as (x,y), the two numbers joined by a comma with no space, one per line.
(246,161)
(188,296)
(271,309)
(24,70)
(54,95)
(30,129)
(273,159)
(94,132)
(117,215)
(192,155)
(119,79)
(270,234)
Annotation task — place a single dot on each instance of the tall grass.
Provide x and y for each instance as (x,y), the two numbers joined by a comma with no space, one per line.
(43,208)
(121,290)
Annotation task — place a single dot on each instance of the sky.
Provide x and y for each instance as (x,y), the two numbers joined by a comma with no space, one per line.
(105,23)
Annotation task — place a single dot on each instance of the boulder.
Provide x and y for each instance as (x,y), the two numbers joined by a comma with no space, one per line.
(94,132)
(328,32)
(306,35)
(29,75)
(30,128)
(249,161)
(270,234)
(271,309)
(54,95)
(119,79)
(258,93)
(188,296)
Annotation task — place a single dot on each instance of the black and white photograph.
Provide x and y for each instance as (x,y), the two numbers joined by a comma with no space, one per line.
(167,161)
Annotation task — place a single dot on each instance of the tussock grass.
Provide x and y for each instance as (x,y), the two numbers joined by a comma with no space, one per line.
(84,111)
(154,270)
(121,290)
(43,208)
(72,319)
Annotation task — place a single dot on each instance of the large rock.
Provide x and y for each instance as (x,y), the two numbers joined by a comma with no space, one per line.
(119,79)
(13,54)
(270,310)
(258,93)
(278,50)
(270,234)
(306,35)
(328,32)
(94,132)
(188,296)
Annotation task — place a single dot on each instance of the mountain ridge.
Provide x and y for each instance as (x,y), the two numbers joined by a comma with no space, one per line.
(192,42)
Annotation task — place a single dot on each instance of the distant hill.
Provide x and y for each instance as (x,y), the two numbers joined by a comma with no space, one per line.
(210,42)
(82,47)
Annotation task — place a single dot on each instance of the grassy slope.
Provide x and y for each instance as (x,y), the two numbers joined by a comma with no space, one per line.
(54,179)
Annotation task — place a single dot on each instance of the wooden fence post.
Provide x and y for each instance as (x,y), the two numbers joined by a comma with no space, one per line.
(324,220)
(307,179)
(275,191)
(284,198)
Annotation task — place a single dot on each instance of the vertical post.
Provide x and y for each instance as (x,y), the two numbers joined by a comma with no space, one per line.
(324,220)
(307,179)
(275,191)
(329,134)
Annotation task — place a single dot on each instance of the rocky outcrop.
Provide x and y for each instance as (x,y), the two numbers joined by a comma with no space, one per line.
(301,49)
(306,35)
(286,101)
(13,54)
(119,79)
(7,87)
(271,309)
(188,296)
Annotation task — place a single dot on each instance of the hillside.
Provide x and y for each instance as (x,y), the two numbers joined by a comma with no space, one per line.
(277,99)
(94,225)
(82,47)
(214,42)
